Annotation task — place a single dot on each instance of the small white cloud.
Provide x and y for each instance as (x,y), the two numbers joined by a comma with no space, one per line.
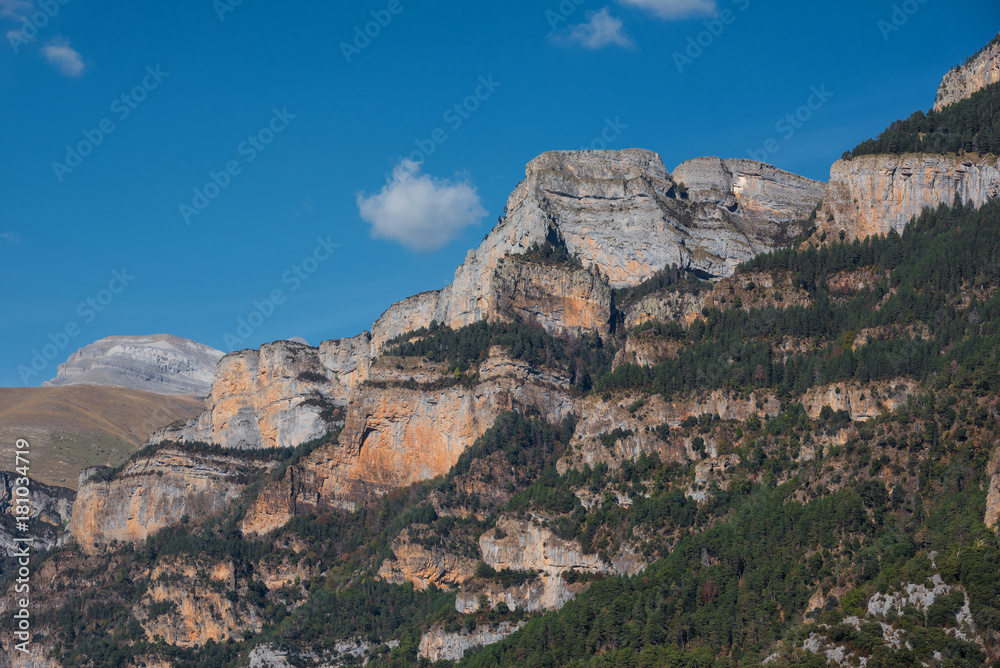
(64,58)
(602,30)
(675,9)
(16,9)
(418,211)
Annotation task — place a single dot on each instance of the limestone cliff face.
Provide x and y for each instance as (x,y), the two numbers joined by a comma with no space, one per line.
(525,545)
(403,426)
(862,402)
(992,516)
(438,644)
(187,604)
(960,83)
(601,418)
(282,395)
(50,511)
(873,194)
(564,300)
(425,566)
(620,213)
(156,491)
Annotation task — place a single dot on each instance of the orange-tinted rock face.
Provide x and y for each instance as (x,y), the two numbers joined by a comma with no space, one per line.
(961,82)
(187,604)
(398,433)
(562,299)
(874,194)
(424,566)
(154,492)
(279,396)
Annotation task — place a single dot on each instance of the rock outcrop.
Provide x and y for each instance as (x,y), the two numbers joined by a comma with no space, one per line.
(425,565)
(155,491)
(525,545)
(592,445)
(562,299)
(188,604)
(162,363)
(621,213)
(410,422)
(861,401)
(440,645)
(282,395)
(48,519)
(873,194)
(980,71)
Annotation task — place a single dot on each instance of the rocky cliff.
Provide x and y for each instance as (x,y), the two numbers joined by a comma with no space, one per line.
(157,490)
(622,214)
(282,395)
(440,645)
(161,363)
(409,422)
(977,73)
(874,194)
(527,545)
(189,603)
(50,511)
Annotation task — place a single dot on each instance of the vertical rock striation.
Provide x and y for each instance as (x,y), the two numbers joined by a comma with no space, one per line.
(980,71)
(874,194)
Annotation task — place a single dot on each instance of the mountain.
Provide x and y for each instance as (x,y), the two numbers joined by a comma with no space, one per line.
(978,72)
(70,428)
(162,363)
(696,418)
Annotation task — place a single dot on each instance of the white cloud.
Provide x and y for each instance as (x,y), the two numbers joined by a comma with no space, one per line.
(676,9)
(602,30)
(64,58)
(16,9)
(418,211)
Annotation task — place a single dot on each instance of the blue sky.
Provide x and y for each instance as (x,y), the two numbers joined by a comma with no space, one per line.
(300,133)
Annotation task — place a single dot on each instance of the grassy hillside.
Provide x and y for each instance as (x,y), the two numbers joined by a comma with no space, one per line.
(71,428)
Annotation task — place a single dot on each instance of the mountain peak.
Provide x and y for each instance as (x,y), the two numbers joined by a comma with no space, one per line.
(160,363)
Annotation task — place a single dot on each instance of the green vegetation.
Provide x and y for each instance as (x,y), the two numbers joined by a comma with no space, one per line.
(583,357)
(941,257)
(807,506)
(968,126)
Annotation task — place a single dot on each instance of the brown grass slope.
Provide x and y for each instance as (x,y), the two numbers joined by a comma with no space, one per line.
(70,428)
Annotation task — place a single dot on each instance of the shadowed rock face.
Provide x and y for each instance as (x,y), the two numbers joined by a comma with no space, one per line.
(962,82)
(50,513)
(162,363)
